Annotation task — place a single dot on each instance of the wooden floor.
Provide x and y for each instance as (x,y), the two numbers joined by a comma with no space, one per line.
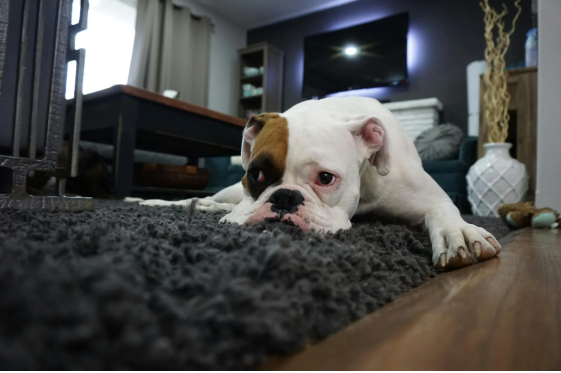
(501,314)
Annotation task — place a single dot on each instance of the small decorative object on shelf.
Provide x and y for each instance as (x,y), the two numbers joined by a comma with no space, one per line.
(170,93)
(497,178)
(251,90)
(252,71)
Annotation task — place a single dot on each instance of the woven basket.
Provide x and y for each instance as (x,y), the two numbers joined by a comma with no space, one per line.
(171,176)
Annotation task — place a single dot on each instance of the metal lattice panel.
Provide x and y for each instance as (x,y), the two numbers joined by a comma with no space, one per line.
(35,16)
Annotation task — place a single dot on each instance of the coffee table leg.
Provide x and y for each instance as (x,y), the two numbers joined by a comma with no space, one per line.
(124,144)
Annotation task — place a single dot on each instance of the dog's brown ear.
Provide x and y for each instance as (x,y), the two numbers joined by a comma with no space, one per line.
(371,139)
(252,128)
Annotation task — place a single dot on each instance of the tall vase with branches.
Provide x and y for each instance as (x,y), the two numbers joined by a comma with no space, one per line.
(496,178)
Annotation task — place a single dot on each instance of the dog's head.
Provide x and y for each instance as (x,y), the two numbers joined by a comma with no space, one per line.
(305,167)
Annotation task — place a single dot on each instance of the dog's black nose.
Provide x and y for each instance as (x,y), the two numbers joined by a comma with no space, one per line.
(286,201)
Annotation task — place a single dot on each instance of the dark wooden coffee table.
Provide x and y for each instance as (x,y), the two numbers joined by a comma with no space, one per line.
(132,118)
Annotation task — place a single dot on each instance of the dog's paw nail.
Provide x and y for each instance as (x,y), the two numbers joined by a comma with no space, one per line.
(462,252)
(443,260)
(477,247)
(494,243)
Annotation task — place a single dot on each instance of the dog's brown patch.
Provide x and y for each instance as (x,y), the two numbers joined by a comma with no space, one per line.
(269,151)
(273,141)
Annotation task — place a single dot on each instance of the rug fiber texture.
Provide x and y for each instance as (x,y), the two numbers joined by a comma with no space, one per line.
(165,288)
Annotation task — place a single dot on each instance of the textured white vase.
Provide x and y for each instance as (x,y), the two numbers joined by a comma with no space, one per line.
(496,179)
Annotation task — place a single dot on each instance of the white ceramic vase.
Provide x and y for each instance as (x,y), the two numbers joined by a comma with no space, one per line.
(496,179)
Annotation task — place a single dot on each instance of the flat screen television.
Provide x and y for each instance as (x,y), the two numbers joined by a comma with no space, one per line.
(368,55)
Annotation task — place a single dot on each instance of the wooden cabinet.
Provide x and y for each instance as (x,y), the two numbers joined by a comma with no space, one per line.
(261,66)
(522,132)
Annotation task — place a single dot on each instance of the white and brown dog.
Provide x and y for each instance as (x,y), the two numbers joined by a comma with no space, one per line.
(322,162)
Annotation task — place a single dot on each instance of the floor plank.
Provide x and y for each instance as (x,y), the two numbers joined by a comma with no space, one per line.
(501,314)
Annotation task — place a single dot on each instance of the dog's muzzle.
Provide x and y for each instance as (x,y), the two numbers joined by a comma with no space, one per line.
(286,201)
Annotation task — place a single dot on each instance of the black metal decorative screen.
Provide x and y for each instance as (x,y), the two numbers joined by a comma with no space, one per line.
(35,102)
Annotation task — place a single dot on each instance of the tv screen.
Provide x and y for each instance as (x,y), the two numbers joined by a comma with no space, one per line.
(369,55)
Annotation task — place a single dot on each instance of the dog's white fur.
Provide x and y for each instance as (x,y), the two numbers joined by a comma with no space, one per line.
(379,173)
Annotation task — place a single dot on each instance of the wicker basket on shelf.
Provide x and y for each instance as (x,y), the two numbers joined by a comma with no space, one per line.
(171,176)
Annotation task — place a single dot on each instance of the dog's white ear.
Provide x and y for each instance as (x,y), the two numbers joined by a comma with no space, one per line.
(371,139)
(252,128)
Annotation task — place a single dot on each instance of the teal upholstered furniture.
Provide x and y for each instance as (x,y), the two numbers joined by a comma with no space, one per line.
(224,174)
(450,175)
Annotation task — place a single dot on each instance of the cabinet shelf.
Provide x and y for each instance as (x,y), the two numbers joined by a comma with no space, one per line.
(251,98)
(271,59)
(252,79)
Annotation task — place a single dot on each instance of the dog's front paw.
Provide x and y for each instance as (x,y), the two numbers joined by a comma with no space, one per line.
(203,204)
(161,202)
(234,218)
(209,205)
(460,246)
(132,199)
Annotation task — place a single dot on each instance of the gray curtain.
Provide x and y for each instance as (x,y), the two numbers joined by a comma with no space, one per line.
(171,50)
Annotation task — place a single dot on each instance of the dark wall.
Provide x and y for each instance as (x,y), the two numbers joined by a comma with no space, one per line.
(444,37)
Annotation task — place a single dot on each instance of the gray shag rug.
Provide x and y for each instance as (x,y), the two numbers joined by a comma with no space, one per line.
(167,288)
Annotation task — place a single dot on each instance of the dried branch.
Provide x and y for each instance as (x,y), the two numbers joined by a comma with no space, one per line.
(495,77)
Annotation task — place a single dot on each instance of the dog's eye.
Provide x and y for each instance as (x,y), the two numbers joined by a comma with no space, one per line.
(325,178)
(257,175)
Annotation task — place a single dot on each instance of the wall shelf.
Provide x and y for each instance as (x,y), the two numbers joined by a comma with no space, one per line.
(249,98)
(271,59)
(252,79)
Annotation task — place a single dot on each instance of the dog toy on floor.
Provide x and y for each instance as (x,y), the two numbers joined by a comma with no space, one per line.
(525,214)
